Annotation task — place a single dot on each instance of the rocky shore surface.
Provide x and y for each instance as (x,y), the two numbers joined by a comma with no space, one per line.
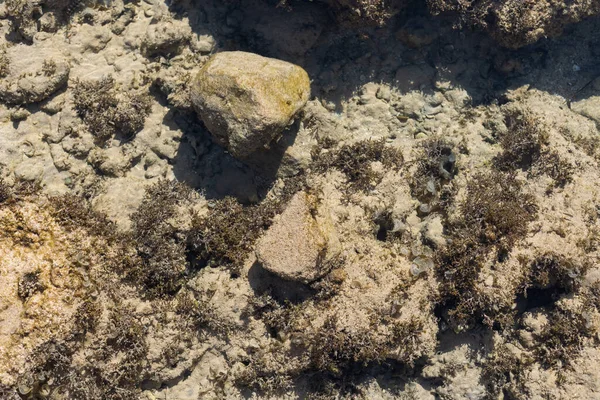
(337,199)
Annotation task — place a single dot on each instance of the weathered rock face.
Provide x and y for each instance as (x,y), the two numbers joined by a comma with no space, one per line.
(246,100)
(32,75)
(165,37)
(298,245)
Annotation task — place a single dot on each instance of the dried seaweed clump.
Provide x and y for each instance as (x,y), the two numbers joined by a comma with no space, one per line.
(565,335)
(160,243)
(556,167)
(569,327)
(73,212)
(29,284)
(112,368)
(516,24)
(525,146)
(436,167)
(503,370)
(4,64)
(227,234)
(109,112)
(495,215)
(355,162)
(5,192)
(558,272)
(334,350)
(565,325)
(328,353)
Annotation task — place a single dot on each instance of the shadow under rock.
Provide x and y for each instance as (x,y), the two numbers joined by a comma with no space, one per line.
(206,166)
(263,281)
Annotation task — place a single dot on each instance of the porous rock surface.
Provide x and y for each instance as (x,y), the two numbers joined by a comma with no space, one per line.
(246,100)
(298,245)
(34,75)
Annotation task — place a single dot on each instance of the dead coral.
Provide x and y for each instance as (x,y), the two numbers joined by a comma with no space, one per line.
(26,14)
(109,112)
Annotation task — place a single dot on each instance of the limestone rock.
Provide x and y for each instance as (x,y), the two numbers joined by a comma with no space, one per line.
(247,100)
(434,232)
(34,75)
(298,244)
(165,37)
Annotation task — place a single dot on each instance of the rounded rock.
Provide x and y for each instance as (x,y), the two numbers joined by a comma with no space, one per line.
(246,100)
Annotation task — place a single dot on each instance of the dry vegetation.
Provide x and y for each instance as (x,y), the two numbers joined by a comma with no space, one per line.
(495,215)
(526,146)
(109,112)
(4,64)
(437,165)
(355,161)
(151,255)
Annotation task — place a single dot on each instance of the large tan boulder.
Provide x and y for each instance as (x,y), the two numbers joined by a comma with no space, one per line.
(246,100)
(301,242)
